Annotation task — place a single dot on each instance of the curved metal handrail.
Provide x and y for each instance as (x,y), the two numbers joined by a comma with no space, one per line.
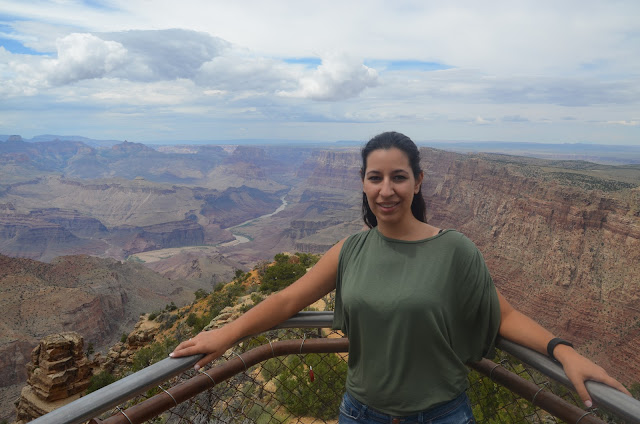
(108,397)
(609,398)
(95,403)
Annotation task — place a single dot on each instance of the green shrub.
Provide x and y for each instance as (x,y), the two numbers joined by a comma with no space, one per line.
(90,349)
(308,259)
(153,353)
(319,398)
(101,380)
(281,275)
(192,320)
(281,258)
(200,293)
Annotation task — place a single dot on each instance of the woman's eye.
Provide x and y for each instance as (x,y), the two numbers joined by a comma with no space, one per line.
(400,178)
(374,178)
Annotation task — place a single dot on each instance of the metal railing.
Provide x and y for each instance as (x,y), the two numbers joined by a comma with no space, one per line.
(197,390)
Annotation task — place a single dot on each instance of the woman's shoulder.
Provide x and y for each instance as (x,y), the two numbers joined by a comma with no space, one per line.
(458,241)
(355,242)
(357,238)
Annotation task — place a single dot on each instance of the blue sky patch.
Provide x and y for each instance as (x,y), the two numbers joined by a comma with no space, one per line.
(10,44)
(406,65)
(98,4)
(309,62)
(16,47)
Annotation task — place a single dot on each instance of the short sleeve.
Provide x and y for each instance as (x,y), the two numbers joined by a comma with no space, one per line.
(348,247)
(479,307)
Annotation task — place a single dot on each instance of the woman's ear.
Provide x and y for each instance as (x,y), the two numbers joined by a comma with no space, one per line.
(416,189)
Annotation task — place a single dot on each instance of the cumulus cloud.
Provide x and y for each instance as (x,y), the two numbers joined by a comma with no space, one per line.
(207,61)
(339,77)
(85,56)
(166,54)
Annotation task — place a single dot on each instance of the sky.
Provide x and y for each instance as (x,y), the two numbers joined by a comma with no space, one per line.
(195,70)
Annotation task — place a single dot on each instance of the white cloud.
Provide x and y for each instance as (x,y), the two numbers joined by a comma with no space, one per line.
(85,56)
(166,54)
(482,121)
(238,71)
(629,123)
(339,77)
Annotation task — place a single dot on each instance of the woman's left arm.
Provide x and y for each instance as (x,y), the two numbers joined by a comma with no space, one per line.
(521,329)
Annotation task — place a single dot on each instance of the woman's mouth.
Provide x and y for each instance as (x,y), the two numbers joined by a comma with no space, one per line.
(387,206)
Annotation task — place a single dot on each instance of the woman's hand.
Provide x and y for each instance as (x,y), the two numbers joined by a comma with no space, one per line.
(579,369)
(212,343)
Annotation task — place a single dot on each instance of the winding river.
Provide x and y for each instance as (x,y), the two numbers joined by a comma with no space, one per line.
(239,239)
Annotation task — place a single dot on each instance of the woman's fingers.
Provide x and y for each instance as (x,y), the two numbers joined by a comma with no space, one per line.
(208,342)
(185,348)
(587,370)
(583,393)
(610,381)
(204,361)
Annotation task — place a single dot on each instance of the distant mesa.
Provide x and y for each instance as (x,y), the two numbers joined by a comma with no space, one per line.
(15,139)
(129,147)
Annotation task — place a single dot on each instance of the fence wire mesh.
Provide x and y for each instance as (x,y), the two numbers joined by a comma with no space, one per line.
(308,389)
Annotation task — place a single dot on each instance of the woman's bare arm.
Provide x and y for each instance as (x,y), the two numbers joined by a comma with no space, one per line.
(276,308)
(521,329)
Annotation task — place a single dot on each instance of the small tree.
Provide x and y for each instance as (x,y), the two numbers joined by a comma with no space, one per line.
(281,275)
(200,293)
(100,380)
(90,349)
(319,398)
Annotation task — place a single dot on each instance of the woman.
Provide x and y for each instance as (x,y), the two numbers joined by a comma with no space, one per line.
(416,302)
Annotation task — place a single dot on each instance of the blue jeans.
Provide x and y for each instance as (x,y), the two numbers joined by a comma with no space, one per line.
(457,411)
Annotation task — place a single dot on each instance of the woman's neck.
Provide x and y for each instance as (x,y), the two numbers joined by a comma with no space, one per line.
(409,231)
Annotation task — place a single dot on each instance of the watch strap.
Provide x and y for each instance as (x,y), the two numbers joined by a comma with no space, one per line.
(555,342)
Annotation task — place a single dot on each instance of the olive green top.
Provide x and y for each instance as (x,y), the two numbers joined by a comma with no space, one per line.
(415,312)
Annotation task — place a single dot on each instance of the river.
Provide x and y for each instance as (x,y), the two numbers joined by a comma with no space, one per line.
(239,239)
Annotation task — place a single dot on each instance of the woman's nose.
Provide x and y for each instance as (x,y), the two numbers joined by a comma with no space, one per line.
(386,189)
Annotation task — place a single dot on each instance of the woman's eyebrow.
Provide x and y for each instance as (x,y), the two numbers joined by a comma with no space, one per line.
(395,171)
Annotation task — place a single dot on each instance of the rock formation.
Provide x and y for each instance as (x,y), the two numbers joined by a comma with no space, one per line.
(59,373)
(121,354)
(97,298)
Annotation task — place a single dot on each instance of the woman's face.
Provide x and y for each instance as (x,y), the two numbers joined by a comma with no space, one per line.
(389,185)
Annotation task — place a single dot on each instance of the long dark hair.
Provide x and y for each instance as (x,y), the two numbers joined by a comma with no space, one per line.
(386,141)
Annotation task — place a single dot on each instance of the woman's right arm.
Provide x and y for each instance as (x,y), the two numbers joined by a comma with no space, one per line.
(278,307)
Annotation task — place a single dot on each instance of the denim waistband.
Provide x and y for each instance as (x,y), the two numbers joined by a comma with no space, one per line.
(420,417)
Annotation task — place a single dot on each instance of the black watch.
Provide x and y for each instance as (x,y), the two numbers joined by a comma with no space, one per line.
(555,342)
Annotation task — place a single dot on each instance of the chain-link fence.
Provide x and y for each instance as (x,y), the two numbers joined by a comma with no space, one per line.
(297,376)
